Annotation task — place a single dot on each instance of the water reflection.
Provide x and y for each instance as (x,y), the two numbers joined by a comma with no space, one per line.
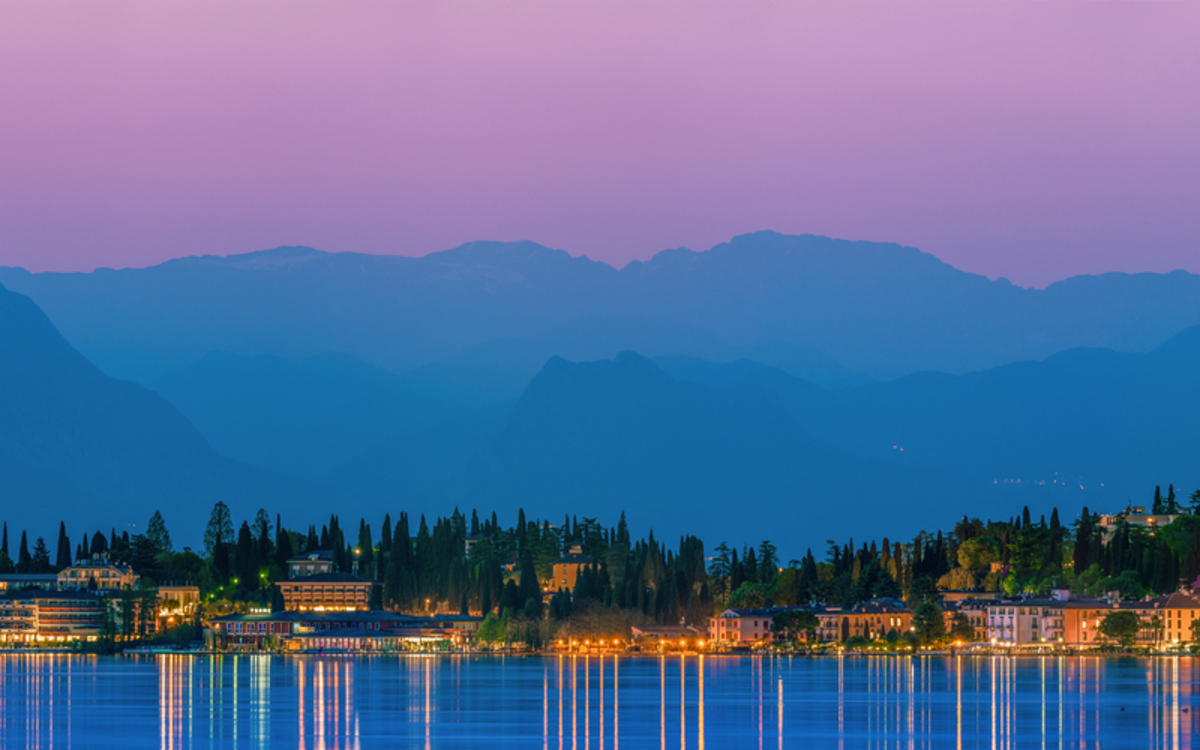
(584,702)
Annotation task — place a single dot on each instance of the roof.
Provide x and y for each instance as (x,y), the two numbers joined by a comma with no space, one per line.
(327,578)
(316,555)
(574,559)
(1170,601)
(371,615)
(44,594)
(671,630)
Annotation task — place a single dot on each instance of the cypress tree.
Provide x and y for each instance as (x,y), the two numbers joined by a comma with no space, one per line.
(1157,508)
(24,561)
(1172,506)
(4,541)
(63,556)
(1083,542)
(245,559)
(283,549)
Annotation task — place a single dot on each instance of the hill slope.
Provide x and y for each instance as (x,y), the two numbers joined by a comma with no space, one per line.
(79,446)
(729,463)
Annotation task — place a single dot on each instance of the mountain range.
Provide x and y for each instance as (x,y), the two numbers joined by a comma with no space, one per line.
(823,309)
(777,382)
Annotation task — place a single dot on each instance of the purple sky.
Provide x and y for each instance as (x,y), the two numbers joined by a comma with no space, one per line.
(1032,141)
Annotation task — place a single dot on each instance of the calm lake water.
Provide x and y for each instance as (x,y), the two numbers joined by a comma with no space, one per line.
(582,703)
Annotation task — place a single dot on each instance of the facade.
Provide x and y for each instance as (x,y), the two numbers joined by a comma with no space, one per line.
(310,563)
(666,636)
(370,631)
(36,616)
(566,569)
(326,591)
(975,611)
(1176,613)
(743,627)
(870,620)
(176,605)
(97,573)
(750,627)
(19,581)
(1134,515)
(1062,619)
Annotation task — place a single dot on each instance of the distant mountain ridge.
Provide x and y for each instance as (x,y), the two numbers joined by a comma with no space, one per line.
(873,309)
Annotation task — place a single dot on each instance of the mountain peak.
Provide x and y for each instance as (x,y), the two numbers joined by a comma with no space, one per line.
(484,252)
(271,259)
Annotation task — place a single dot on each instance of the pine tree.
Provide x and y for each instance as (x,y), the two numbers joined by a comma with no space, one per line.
(157,534)
(219,529)
(40,561)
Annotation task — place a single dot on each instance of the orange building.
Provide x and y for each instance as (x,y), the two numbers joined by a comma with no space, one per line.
(566,569)
(326,592)
(1176,613)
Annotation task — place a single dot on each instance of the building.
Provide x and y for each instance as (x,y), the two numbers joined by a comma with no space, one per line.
(975,610)
(566,569)
(735,628)
(871,620)
(374,631)
(667,636)
(960,596)
(1081,621)
(1134,515)
(326,591)
(20,581)
(310,563)
(97,573)
(39,617)
(177,605)
(1176,613)
(1062,619)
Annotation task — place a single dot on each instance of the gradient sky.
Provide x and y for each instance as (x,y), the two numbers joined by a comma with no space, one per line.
(1032,141)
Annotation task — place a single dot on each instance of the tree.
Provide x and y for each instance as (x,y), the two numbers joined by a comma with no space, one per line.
(24,561)
(768,562)
(959,579)
(1121,626)
(978,553)
(928,623)
(749,596)
(1195,627)
(219,529)
(492,630)
(961,628)
(40,562)
(157,534)
(63,558)
(790,624)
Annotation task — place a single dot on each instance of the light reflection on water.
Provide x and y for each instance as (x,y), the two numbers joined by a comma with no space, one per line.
(581,703)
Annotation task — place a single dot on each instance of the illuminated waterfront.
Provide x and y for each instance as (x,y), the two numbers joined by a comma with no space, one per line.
(582,703)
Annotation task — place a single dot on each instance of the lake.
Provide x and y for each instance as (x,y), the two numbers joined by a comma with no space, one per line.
(581,703)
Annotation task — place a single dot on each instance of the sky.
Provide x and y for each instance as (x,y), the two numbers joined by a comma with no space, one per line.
(1032,141)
